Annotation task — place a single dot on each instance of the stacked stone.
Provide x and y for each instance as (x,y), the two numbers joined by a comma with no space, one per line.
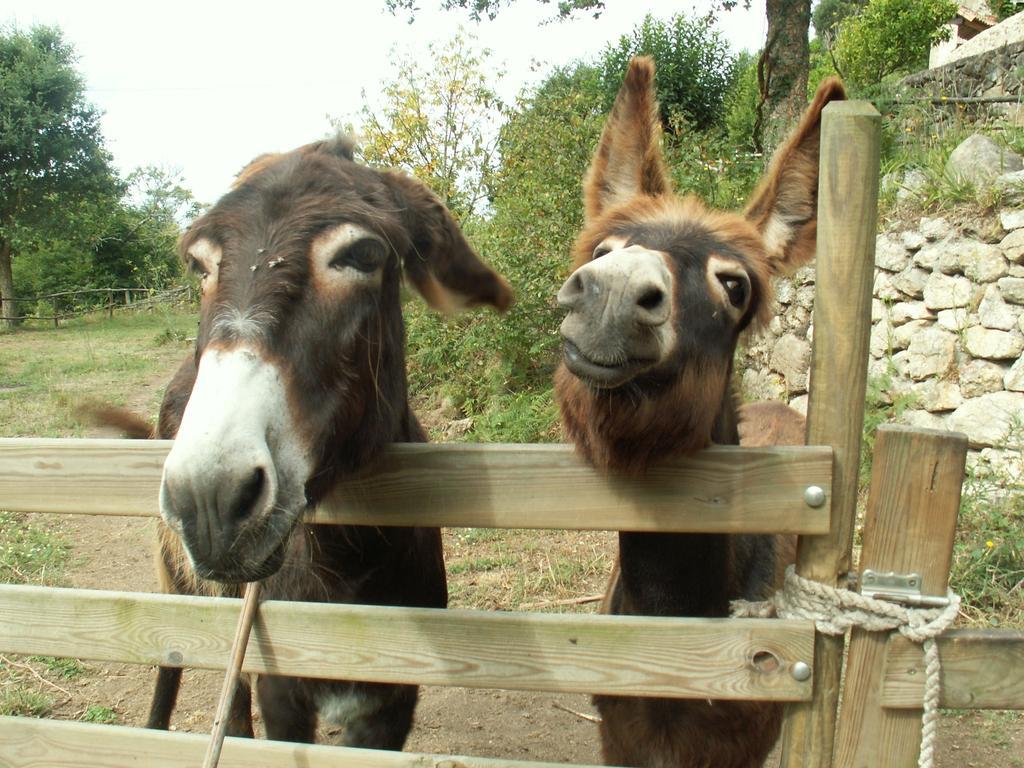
(947,331)
(989,73)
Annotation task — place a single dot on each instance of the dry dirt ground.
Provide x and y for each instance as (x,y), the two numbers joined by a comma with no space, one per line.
(492,570)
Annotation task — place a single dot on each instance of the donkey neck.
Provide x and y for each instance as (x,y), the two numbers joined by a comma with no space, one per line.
(680,574)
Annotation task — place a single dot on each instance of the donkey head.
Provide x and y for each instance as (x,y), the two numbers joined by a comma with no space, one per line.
(299,370)
(663,285)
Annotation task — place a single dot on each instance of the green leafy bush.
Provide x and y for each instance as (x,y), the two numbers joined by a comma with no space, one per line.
(741,102)
(890,36)
(695,66)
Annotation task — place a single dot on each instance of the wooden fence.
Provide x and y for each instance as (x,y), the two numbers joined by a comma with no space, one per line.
(95,300)
(911,517)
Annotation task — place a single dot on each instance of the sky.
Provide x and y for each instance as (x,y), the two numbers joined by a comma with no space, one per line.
(203,87)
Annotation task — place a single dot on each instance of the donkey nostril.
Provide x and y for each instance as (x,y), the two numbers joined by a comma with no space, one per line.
(249,494)
(651,299)
(572,292)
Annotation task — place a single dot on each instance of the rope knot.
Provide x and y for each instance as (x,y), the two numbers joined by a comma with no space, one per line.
(834,611)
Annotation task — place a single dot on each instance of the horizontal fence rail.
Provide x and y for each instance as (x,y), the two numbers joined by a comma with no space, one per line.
(28,743)
(730,490)
(115,299)
(638,656)
(981,669)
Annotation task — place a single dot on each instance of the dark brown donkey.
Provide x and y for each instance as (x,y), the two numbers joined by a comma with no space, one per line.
(663,288)
(298,380)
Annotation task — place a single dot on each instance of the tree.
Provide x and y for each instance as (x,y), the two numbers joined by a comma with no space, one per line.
(889,36)
(490,8)
(783,66)
(51,150)
(828,14)
(695,67)
(536,211)
(137,247)
(108,242)
(782,71)
(435,121)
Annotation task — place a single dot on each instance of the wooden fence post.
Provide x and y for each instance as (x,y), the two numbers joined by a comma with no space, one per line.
(847,213)
(911,522)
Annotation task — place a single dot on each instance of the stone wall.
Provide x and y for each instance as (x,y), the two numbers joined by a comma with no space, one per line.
(946,338)
(993,73)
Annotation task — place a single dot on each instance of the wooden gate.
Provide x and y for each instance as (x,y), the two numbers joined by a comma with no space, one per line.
(911,519)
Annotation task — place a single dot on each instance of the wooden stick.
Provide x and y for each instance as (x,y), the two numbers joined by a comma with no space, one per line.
(564,601)
(227,692)
(36,675)
(580,715)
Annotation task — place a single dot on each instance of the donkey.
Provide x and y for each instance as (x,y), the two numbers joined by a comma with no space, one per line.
(298,380)
(661,291)
(769,422)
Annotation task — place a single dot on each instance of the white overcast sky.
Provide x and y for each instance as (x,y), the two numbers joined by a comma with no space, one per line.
(203,87)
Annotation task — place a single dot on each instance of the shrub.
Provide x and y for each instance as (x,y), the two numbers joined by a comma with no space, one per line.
(741,102)
(695,66)
(890,36)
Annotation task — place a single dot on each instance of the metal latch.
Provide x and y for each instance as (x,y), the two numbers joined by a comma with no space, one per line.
(902,588)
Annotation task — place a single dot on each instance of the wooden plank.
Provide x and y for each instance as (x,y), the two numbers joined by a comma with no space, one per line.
(643,656)
(910,526)
(502,486)
(981,669)
(28,743)
(847,213)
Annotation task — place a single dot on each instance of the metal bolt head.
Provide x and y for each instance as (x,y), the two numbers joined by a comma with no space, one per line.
(814,496)
(801,671)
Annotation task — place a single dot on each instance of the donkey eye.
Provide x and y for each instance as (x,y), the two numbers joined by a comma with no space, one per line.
(366,255)
(737,289)
(195,267)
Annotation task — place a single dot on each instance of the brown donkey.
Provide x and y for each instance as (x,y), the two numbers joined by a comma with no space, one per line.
(663,288)
(298,380)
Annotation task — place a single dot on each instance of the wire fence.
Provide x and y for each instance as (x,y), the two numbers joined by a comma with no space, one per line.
(67,305)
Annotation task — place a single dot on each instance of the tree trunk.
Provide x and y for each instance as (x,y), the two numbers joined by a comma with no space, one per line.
(8,308)
(782,71)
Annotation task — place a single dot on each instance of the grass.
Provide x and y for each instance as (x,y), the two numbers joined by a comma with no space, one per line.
(45,372)
(30,554)
(988,556)
(914,140)
(21,701)
(491,569)
(66,669)
(99,714)
(517,417)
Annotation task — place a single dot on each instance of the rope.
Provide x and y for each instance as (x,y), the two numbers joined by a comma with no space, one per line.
(834,611)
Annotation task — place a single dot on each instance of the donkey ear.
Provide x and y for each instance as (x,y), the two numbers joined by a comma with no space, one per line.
(784,207)
(628,161)
(441,264)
